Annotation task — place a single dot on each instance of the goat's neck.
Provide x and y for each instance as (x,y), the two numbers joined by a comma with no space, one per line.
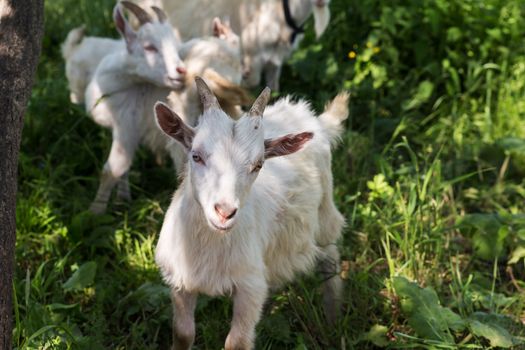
(116,73)
(300,10)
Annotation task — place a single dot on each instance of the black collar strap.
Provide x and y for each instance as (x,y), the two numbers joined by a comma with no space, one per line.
(296,30)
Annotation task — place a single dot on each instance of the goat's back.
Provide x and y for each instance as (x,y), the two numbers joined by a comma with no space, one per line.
(297,187)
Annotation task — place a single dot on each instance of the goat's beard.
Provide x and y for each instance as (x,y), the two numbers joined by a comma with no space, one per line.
(321,19)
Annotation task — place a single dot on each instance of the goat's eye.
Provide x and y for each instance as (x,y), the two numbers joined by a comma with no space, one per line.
(197,159)
(151,48)
(257,166)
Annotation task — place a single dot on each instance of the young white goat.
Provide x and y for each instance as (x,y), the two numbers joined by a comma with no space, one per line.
(255,208)
(83,54)
(270,29)
(127,84)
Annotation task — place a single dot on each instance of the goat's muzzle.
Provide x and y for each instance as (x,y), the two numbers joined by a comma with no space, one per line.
(225,212)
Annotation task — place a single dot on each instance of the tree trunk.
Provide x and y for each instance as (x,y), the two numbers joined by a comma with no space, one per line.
(21,29)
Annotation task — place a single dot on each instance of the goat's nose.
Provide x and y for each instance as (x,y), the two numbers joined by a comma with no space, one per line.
(225,211)
(181,70)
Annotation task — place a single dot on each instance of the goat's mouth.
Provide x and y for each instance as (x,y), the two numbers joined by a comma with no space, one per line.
(320,3)
(176,83)
(221,229)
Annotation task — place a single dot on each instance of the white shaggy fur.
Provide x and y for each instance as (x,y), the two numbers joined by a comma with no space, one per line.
(265,36)
(220,52)
(232,229)
(82,56)
(123,90)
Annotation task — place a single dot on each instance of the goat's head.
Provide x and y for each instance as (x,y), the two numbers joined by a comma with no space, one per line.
(223,31)
(153,48)
(224,155)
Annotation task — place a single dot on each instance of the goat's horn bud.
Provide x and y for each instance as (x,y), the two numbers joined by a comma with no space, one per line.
(208,99)
(260,103)
(141,15)
(161,15)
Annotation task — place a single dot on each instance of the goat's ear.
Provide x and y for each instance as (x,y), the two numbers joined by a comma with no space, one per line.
(286,144)
(123,27)
(219,29)
(169,122)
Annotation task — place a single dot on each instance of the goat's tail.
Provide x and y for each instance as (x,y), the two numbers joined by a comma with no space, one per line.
(74,37)
(335,113)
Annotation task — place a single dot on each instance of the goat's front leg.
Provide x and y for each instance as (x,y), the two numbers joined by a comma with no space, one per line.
(183,319)
(118,164)
(123,191)
(248,301)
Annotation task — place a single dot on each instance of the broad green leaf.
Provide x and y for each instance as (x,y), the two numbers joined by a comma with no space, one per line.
(425,315)
(488,234)
(493,327)
(496,335)
(517,255)
(82,278)
(490,245)
(454,321)
(423,93)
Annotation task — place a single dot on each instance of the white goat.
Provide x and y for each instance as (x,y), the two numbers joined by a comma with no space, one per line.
(124,88)
(83,54)
(245,219)
(267,36)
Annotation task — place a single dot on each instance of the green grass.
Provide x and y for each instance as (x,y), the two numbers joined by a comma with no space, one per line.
(429,175)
